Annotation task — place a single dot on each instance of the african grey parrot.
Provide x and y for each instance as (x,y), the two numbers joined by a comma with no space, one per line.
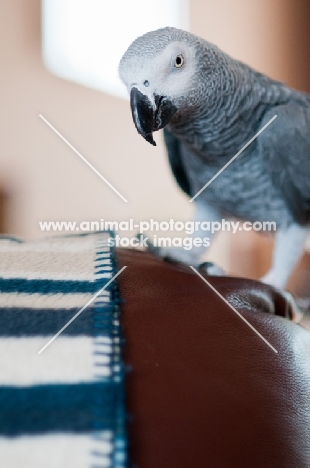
(210,105)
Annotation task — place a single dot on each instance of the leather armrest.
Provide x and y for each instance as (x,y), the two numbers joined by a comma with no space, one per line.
(204,390)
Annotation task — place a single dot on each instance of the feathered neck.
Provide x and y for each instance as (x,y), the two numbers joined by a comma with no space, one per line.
(225,106)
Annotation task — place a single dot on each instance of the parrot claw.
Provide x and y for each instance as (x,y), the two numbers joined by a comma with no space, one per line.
(150,246)
(211,269)
(172,255)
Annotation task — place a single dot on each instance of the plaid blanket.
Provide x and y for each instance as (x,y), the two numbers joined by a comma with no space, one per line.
(63,406)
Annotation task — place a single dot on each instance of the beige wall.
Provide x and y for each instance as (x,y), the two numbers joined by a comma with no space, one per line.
(46,179)
(270,35)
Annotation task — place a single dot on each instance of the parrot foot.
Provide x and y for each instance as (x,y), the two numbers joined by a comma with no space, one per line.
(172,254)
(180,255)
(274,279)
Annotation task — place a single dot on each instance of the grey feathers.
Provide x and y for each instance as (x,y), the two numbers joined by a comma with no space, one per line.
(221,104)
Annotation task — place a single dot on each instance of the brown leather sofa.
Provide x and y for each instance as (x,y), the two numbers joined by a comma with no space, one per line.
(204,391)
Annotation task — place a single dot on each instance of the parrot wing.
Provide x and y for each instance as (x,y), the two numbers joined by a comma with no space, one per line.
(173,146)
(285,149)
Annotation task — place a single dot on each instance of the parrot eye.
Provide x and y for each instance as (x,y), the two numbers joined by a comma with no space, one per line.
(179,60)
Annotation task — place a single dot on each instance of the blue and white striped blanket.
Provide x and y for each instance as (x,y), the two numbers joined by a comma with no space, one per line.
(63,407)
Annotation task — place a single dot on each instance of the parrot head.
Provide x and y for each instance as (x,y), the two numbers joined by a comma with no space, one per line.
(160,71)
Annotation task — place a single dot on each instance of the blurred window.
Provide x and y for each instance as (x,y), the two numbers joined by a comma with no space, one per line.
(84,40)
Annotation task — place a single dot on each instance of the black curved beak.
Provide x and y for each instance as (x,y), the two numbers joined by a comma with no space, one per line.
(147,117)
